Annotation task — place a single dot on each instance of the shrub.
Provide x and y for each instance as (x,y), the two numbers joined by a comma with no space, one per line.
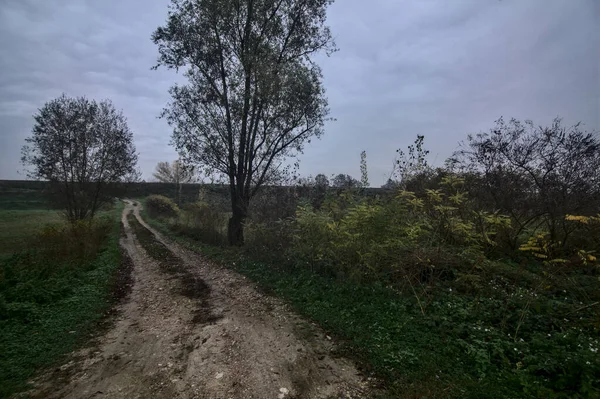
(270,241)
(80,240)
(202,222)
(160,206)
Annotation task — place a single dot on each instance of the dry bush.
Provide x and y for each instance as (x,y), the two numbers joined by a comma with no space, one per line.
(160,206)
(80,240)
(202,222)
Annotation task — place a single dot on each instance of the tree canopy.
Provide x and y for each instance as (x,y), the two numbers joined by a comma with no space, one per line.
(345,181)
(176,172)
(80,146)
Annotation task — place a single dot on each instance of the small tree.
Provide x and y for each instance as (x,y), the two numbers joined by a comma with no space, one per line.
(81,147)
(177,173)
(254,97)
(390,185)
(409,165)
(536,174)
(322,181)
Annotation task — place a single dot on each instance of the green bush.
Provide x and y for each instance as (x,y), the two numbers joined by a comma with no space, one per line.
(160,206)
(439,250)
(270,241)
(75,241)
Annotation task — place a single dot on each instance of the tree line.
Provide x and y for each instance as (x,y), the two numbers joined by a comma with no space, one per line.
(254,97)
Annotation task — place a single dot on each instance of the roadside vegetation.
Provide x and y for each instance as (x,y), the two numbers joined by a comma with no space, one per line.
(53,292)
(475,280)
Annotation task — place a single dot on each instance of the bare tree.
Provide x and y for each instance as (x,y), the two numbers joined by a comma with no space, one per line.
(177,173)
(254,97)
(536,174)
(409,166)
(82,148)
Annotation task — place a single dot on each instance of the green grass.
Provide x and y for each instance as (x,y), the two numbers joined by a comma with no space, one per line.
(50,306)
(20,197)
(18,226)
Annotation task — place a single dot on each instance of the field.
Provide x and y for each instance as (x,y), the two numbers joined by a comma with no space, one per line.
(19,226)
(22,195)
(55,285)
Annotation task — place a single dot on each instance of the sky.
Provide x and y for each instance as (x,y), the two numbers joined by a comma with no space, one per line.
(438,68)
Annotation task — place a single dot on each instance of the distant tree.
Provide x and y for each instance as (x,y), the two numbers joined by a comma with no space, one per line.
(81,147)
(312,189)
(254,97)
(390,184)
(410,164)
(345,181)
(535,174)
(177,173)
(321,181)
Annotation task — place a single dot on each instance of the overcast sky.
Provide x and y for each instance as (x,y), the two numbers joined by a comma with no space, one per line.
(441,68)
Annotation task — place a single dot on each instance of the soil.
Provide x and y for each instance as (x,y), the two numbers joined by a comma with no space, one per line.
(200,331)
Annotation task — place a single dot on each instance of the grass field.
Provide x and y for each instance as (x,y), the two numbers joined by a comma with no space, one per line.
(18,226)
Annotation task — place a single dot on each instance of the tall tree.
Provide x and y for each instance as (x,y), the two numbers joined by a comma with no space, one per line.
(177,173)
(80,146)
(254,97)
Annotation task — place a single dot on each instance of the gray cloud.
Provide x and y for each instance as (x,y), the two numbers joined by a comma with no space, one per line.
(438,68)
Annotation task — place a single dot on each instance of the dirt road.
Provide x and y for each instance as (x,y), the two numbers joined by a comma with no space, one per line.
(223,340)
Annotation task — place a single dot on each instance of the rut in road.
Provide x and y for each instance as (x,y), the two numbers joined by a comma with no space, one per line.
(194,329)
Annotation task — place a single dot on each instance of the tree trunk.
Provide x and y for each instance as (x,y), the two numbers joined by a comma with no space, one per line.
(235,231)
